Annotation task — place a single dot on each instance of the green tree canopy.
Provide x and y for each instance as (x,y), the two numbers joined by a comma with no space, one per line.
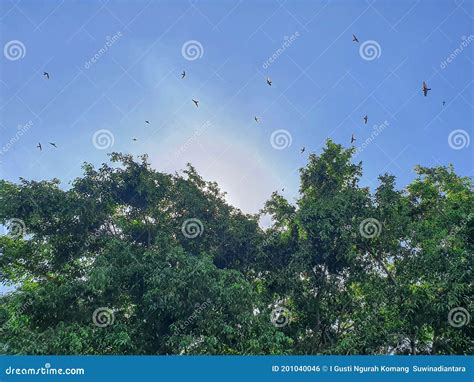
(129,260)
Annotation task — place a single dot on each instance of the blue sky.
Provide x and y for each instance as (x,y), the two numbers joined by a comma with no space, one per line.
(322,86)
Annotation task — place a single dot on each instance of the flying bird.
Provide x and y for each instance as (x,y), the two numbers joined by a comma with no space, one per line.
(46,75)
(425,88)
(183,74)
(302,150)
(134,139)
(53,144)
(352,139)
(269,81)
(354,38)
(148,122)
(39,146)
(366,118)
(196,103)
(256,119)
(444,103)
(283,189)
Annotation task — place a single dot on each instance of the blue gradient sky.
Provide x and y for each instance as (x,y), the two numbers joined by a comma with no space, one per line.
(322,87)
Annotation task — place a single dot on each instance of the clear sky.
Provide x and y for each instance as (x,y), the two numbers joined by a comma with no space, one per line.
(323,84)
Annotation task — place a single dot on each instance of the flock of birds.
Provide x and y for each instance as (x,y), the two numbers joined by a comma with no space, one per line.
(41,147)
(425,89)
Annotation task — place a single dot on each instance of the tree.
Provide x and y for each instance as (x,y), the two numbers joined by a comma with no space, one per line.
(129,260)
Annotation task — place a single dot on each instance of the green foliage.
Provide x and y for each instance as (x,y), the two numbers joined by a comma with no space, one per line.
(358,273)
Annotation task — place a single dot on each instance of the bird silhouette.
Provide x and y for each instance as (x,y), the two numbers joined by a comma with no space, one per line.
(352,139)
(148,122)
(39,146)
(256,119)
(196,103)
(134,139)
(366,118)
(183,74)
(444,103)
(46,75)
(425,88)
(53,144)
(283,189)
(302,150)
(354,38)
(269,81)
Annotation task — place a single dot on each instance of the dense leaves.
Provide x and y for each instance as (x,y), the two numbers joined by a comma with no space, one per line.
(353,272)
